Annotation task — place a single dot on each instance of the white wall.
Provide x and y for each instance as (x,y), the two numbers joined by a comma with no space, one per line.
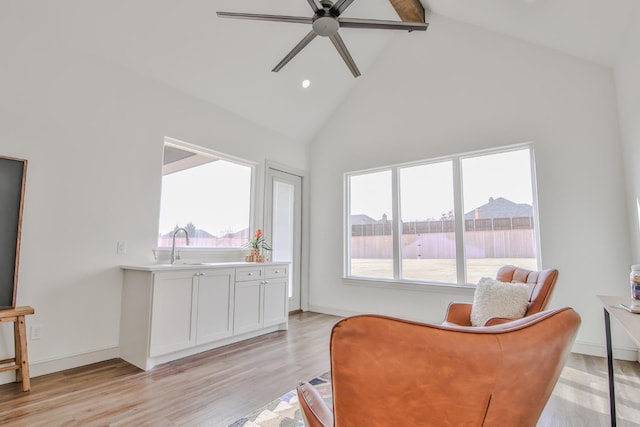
(627,70)
(93,133)
(93,137)
(457,88)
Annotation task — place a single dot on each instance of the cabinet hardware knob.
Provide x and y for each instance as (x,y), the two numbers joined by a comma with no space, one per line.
(249,274)
(266,281)
(277,271)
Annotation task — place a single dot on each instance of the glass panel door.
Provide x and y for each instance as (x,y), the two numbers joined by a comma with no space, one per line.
(284,226)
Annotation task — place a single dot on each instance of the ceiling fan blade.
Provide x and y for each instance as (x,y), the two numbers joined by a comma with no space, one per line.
(340,6)
(305,41)
(382,24)
(313,5)
(261,17)
(346,56)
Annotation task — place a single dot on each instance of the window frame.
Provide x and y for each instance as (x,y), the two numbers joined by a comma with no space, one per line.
(162,252)
(398,282)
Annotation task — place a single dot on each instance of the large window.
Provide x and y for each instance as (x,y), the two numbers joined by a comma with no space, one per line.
(371,240)
(428,232)
(461,218)
(499,223)
(206,193)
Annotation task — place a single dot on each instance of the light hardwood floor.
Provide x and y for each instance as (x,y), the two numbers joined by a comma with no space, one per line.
(217,387)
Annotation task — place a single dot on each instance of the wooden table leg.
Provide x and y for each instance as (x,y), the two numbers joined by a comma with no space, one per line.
(612,393)
(22,359)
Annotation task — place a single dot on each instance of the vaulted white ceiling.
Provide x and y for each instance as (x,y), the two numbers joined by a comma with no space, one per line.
(228,62)
(589,29)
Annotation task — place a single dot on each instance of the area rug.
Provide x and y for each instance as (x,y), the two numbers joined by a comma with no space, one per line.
(285,410)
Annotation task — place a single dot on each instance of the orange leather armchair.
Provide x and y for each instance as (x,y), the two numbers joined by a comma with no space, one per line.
(389,372)
(540,284)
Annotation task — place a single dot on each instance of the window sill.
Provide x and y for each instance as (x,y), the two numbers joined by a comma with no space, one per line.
(406,285)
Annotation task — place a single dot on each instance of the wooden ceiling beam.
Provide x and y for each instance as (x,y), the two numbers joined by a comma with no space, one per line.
(409,10)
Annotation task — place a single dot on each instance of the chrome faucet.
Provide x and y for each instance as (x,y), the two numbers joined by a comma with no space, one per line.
(173,244)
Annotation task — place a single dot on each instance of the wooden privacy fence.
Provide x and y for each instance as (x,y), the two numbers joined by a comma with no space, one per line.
(484,238)
(419,227)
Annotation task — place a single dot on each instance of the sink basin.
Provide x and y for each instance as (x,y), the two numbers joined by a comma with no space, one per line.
(182,264)
(193,264)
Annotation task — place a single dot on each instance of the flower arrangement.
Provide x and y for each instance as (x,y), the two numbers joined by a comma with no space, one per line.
(257,244)
(258,241)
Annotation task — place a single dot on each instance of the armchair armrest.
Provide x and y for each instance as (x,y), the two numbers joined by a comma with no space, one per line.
(458,313)
(315,411)
(492,321)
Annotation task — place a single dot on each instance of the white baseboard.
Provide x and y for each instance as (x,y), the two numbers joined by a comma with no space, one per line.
(57,364)
(349,313)
(581,347)
(332,311)
(61,363)
(592,349)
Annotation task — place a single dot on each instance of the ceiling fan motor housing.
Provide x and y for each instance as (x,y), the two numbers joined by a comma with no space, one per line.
(326,25)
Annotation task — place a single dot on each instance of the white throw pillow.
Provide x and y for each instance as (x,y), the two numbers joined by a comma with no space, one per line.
(498,299)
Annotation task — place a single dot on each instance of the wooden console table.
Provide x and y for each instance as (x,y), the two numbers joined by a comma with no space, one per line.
(630,323)
(19,363)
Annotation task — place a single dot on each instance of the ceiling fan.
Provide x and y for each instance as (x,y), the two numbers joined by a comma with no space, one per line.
(325,22)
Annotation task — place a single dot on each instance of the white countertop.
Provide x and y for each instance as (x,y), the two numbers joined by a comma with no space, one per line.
(196,265)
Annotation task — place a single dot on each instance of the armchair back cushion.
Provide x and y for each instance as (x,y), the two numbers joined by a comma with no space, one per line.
(539,283)
(391,372)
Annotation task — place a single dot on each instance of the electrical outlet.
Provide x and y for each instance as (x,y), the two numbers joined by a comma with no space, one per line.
(36,332)
(121,248)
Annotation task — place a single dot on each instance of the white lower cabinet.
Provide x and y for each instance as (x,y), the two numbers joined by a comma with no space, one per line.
(261,298)
(247,311)
(172,321)
(215,305)
(190,307)
(276,294)
(167,315)
(275,309)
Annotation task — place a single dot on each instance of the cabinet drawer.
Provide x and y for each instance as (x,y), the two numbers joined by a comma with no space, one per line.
(274,271)
(249,273)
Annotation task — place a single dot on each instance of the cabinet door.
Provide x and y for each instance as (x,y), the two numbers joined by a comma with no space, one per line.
(247,306)
(172,312)
(215,303)
(275,301)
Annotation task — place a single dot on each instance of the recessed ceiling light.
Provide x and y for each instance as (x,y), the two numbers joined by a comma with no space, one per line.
(306,83)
